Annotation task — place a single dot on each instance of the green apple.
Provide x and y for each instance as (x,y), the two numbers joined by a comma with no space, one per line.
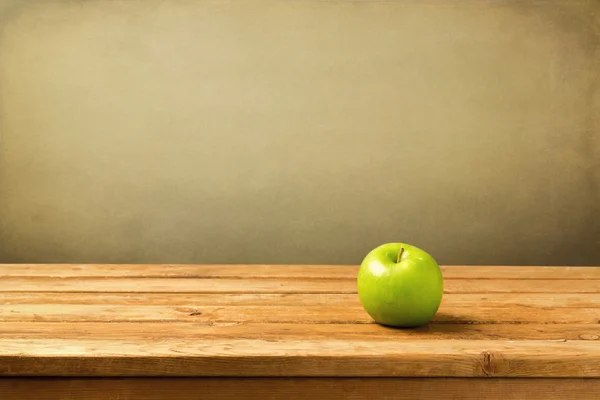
(400,285)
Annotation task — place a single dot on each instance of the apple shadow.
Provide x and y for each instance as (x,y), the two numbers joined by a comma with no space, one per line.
(445,326)
(442,317)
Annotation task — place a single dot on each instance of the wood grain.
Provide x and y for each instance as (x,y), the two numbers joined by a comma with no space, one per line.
(353,313)
(299,388)
(293,331)
(535,300)
(283,285)
(237,357)
(279,271)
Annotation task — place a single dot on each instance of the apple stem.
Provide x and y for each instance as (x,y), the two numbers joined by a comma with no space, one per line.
(400,254)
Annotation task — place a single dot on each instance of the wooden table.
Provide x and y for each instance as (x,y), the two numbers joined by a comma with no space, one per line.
(265,332)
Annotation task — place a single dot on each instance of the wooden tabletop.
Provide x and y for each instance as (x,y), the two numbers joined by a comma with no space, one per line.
(291,321)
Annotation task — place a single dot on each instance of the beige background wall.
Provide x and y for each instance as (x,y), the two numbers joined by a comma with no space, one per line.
(299,131)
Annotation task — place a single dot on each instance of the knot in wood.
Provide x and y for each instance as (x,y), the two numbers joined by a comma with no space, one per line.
(192,312)
(490,364)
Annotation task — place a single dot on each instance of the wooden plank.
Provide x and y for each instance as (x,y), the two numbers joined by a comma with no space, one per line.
(519,272)
(338,314)
(178,285)
(279,271)
(521,286)
(286,358)
(299,388)
(293,331)
(537,300)
(283,285)
(179,271)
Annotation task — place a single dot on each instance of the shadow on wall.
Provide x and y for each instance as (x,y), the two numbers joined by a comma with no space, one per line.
(299,132)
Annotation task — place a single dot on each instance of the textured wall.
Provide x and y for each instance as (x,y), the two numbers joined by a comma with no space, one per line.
(299,131)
